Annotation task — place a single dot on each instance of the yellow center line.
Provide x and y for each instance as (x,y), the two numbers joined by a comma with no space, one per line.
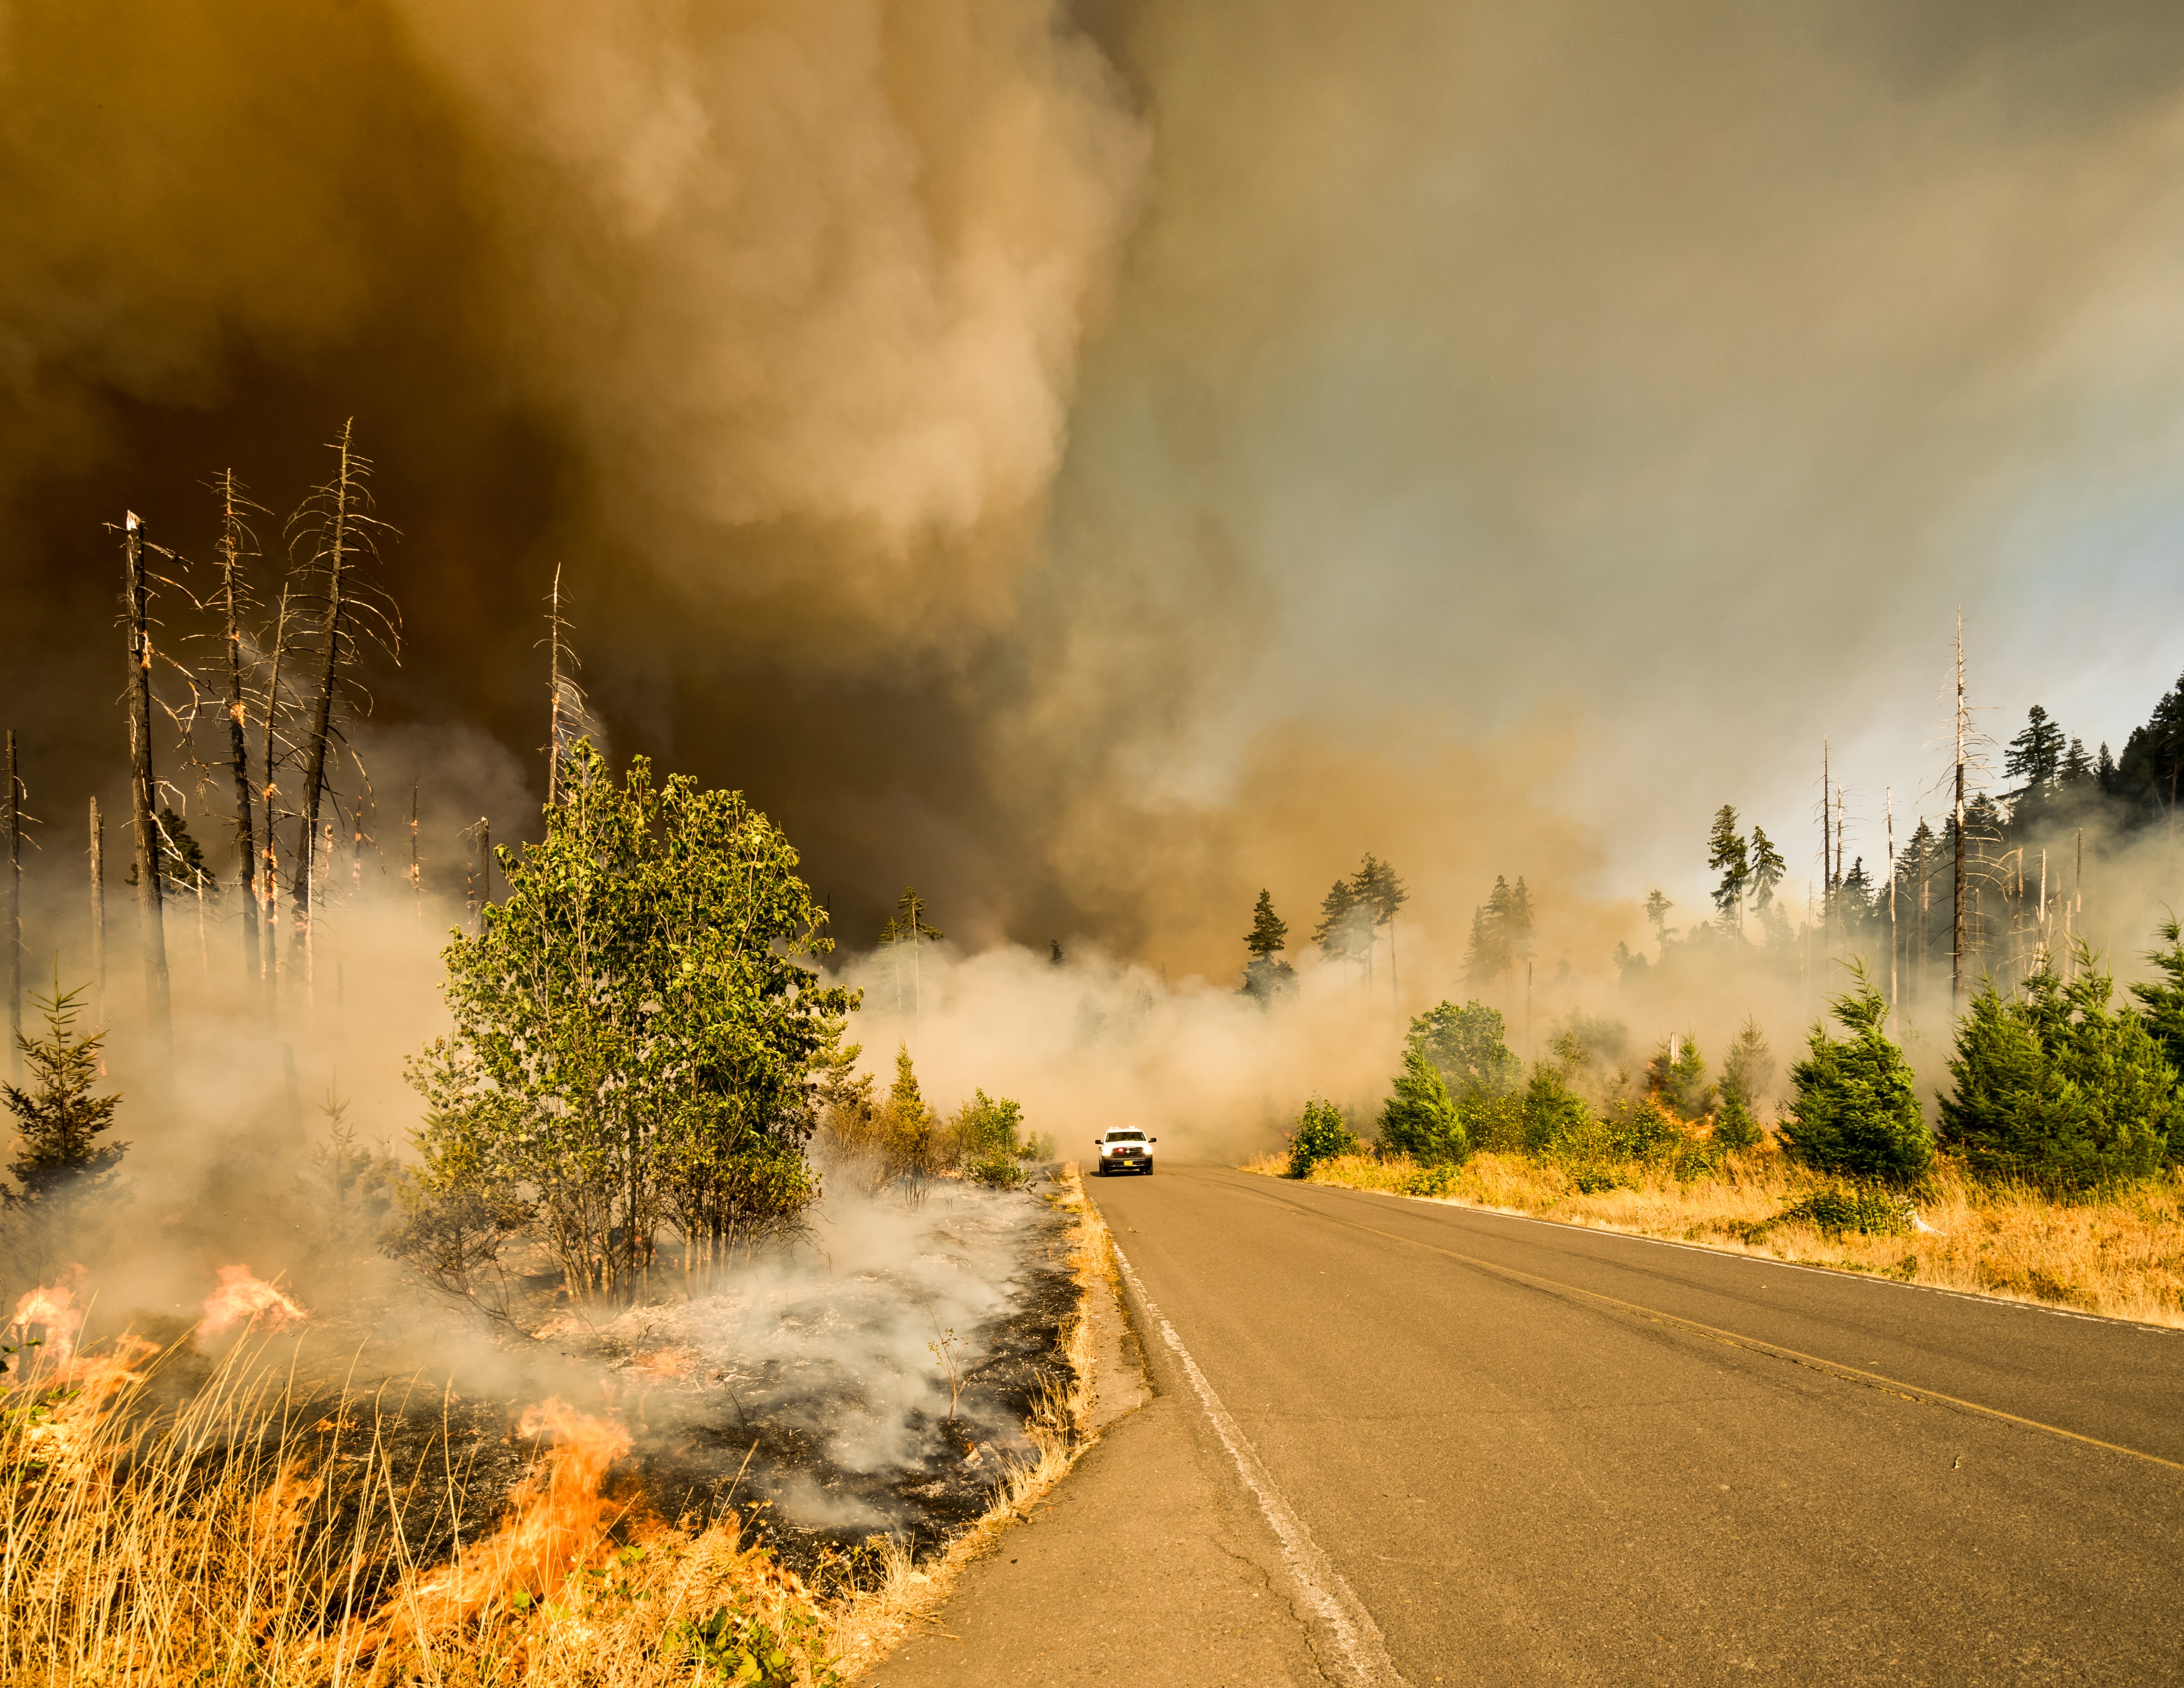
(1896,1386)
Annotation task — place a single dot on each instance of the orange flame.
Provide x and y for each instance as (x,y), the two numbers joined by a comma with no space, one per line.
(53,1306)
(555,1518)
(242,1295)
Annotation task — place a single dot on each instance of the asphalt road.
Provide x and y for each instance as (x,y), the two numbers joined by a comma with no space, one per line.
(1462,1447)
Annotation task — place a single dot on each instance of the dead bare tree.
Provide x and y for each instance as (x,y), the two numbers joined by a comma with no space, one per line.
(143,789)
(1957,934)
(416,868)
(269,963)
(14,932)
(235,544)
(97,916)
(336,523)
(569,717)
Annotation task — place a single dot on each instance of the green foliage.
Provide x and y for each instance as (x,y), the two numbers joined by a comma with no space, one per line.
(1554,1112)
(1436,1180)
(1501,934)
(1657,910)
(989,1146)
(1768,868)
(736,1649)
(2161,1004)
(1344,932)
(1726,855)
(1266,974)
(58,1160)
(1746,1077)
(1420,1119)
(2057,1088)
(1677,1075)
(1321,1134)
(1855,1111)
(2035,756)
(1835,1208)
(635,1039)
(1466,1043)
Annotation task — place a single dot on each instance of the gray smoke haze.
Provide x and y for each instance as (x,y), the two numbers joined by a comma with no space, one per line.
(1094,463)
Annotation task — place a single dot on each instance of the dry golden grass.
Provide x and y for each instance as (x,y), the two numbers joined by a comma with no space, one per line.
(2122,1255)
(262,1535)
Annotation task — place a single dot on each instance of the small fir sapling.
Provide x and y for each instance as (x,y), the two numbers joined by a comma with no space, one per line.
(1746,1076)
(1420,1118)
(1854,1111)
(58,1159)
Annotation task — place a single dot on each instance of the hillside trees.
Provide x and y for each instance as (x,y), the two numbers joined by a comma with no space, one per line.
(635,1038)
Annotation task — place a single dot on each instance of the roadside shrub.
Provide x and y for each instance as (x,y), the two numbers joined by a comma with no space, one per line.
(1420,1119)
(1854,1111)
(988,1145)
(1866,1207)
(1595,1178)
(1436,1180)
(1321,1134)
(2055,1087)
(2161,1002)
(1552,1111)
(1646,1129)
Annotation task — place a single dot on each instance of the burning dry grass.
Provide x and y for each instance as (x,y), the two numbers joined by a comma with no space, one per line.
(262,1532)
(2121,1255)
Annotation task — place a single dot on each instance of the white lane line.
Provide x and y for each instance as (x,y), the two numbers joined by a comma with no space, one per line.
(1327,1594)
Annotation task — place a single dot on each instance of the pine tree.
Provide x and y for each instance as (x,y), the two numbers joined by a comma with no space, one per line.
(2055,1087)
(1768,868)
(1746,1076)
(1266,974)
(1657,911)
(1677,1075)
(1344,932)
(1727,857)
(2035,755)
(58,1159)
(1855,1110)
(2077,766)
(1420,1119)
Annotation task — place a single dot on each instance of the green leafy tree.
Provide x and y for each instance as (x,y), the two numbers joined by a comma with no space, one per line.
(1420,1119)
(1727,857)
(636,1038)
(1266,974)
(1767,869)
(1746,1075)
(1467,1044)
(1321,1133)
(1854,1110)
(2055,1086)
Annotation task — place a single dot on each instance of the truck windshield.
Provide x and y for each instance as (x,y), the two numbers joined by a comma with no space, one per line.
(1126,1136)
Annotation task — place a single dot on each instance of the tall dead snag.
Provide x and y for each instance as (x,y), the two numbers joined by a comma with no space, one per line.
(14,932)
(269,957)
(234,600)
(98,915)
(1957,934)
(143,791)
(336,522)
(569,714)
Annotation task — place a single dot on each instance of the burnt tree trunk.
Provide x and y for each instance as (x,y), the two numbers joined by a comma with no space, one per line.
(342,491)
(246,843)
(97,916)
(143,790)
(14,920)
(269,963)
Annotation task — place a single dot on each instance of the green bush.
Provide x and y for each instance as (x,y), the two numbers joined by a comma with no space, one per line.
(1594,1178)
(2057,1088)
(1420,1119)
(1867,1207)
(1436,1180)
(1854,1111)
(1552,1112)
(1321,1134)
(1744,1077)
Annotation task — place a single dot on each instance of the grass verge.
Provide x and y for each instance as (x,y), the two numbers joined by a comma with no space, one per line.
(2122,1255)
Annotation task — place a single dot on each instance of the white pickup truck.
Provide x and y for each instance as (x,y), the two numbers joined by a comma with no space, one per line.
(1126,1149)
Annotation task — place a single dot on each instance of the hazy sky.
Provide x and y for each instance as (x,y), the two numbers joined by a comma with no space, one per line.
(1096,463)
